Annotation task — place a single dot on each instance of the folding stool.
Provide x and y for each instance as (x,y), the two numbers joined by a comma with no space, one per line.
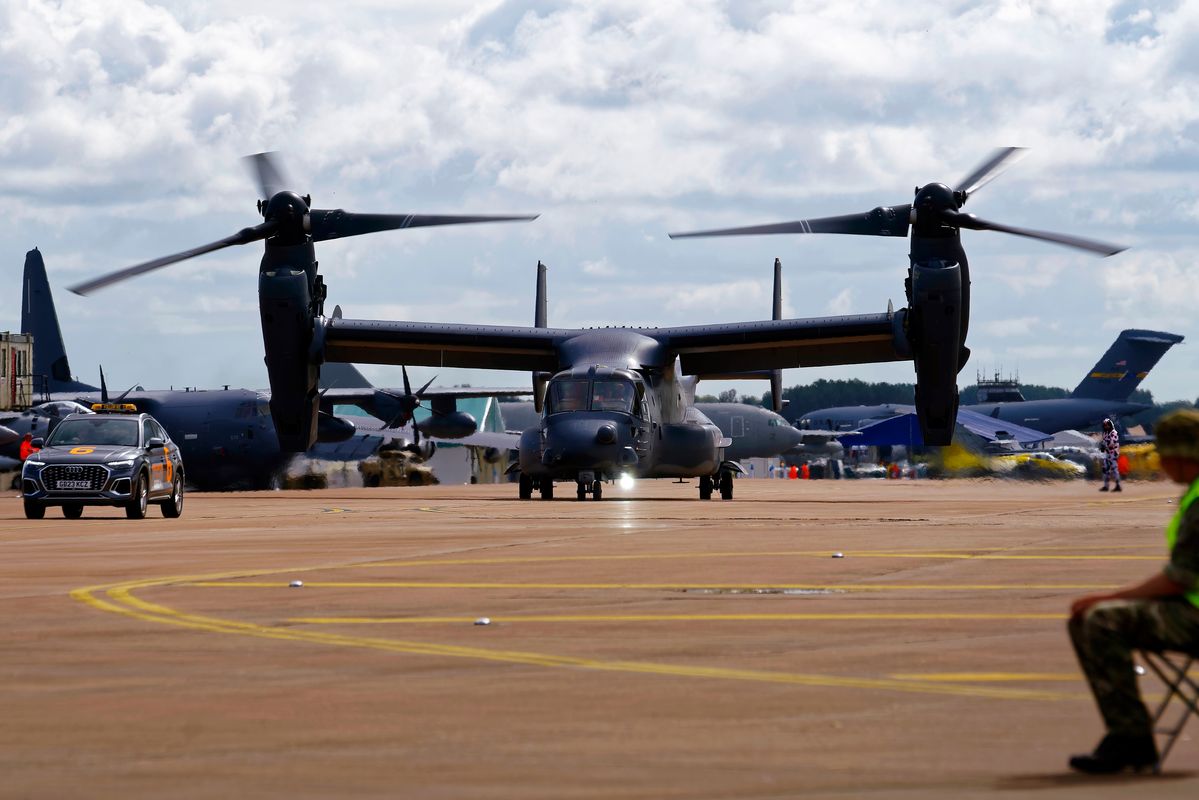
(1172,670)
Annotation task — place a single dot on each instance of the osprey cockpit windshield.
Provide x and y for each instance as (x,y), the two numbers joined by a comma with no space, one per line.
(612,391)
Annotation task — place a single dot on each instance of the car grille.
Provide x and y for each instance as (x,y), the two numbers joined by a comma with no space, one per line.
(54,476)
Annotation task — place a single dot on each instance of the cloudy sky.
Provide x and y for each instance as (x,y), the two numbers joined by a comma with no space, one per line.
(123,123)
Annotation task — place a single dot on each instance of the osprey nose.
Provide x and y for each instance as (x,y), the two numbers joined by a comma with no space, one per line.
(606,434)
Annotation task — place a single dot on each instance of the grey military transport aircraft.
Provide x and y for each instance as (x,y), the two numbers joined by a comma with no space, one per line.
(616,400)
(1103,392)
(226,436)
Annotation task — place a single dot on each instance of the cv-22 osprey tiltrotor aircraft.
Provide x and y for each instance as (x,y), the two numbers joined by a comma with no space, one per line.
(618,401)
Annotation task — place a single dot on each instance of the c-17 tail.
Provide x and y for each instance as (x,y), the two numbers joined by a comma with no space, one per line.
(39,317)
(1125,364)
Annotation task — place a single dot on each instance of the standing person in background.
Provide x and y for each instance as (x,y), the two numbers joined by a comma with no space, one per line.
(26,449)
(1109,445)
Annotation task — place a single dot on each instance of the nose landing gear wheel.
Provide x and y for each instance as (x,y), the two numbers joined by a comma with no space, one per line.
(597,491)
(72,510)
(726,486)
(705,487)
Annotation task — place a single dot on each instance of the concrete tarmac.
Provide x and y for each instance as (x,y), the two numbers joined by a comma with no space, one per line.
(646,646)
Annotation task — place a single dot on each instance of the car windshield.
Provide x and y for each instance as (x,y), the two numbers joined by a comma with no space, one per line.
(102,430)
(612,396)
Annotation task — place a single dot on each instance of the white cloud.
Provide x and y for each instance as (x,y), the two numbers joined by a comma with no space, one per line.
(122,126)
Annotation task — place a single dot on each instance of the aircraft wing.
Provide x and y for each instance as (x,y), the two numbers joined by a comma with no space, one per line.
(350,397)
(779,344)
(435,344)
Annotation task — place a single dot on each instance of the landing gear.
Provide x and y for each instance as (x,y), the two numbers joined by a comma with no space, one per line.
(726,485)
(526,487)
(705,487)
(584,487)
(72,510)
(547,489)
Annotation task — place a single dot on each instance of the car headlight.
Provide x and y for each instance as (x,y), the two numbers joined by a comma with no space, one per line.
(126,463)
(30,462)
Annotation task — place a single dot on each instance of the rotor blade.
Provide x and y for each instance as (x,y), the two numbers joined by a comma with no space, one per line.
(988,170)
(883,221)
(1090,245)
(325,224)
(267,169)
(244,236)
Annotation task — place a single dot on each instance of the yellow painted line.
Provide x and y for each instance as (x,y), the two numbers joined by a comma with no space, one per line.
(989,677)
(766,554)
(119,599)
(808,617)
(848,587)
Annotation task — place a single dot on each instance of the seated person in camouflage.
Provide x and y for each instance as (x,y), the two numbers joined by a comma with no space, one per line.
(1160,613)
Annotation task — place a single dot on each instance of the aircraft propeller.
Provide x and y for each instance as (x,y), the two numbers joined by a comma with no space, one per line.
(288,218)
(935,206)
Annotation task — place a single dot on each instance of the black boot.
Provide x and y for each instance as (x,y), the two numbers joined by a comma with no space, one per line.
(1103,488)
(1116,753)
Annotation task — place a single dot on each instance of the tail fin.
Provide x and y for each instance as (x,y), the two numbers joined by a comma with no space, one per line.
(776,376)
(39,317)
(540,320)
(1125,364)
(335,375)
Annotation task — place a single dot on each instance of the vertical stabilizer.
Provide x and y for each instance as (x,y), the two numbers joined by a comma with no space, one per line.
(39,318)
(336,375)
(776,376)
(1125,364)
(540,320)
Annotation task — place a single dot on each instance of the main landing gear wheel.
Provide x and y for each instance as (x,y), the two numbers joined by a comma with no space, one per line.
(581,490)
(72,510)
(597,490)
(526,487)
(547,489)
(726,486)
(705,487)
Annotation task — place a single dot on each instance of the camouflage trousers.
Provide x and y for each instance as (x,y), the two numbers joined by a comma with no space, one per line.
(1104,638)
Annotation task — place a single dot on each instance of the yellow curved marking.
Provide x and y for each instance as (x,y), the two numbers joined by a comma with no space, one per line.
(801,617)
(81,451)
(166,454)
(847,587)
(119,599)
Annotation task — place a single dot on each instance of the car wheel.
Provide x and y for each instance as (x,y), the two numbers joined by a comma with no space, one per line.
(34,510)
(72,510)
(173,506)
(139,499)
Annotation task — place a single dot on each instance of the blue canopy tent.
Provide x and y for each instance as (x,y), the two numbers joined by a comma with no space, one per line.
(904,429)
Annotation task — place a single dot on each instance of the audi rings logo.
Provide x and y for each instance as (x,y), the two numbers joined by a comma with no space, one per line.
(74,469)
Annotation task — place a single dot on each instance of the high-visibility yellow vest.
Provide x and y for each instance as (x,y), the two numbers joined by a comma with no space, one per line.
(1172,530)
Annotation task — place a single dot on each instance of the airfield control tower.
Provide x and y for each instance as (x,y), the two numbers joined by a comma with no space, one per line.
(998,389)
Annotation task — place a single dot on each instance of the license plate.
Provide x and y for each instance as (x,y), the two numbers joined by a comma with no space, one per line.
(74,484)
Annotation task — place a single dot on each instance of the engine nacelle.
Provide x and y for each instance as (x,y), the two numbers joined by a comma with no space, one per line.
(288,321)
(452,425)
(934,332)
